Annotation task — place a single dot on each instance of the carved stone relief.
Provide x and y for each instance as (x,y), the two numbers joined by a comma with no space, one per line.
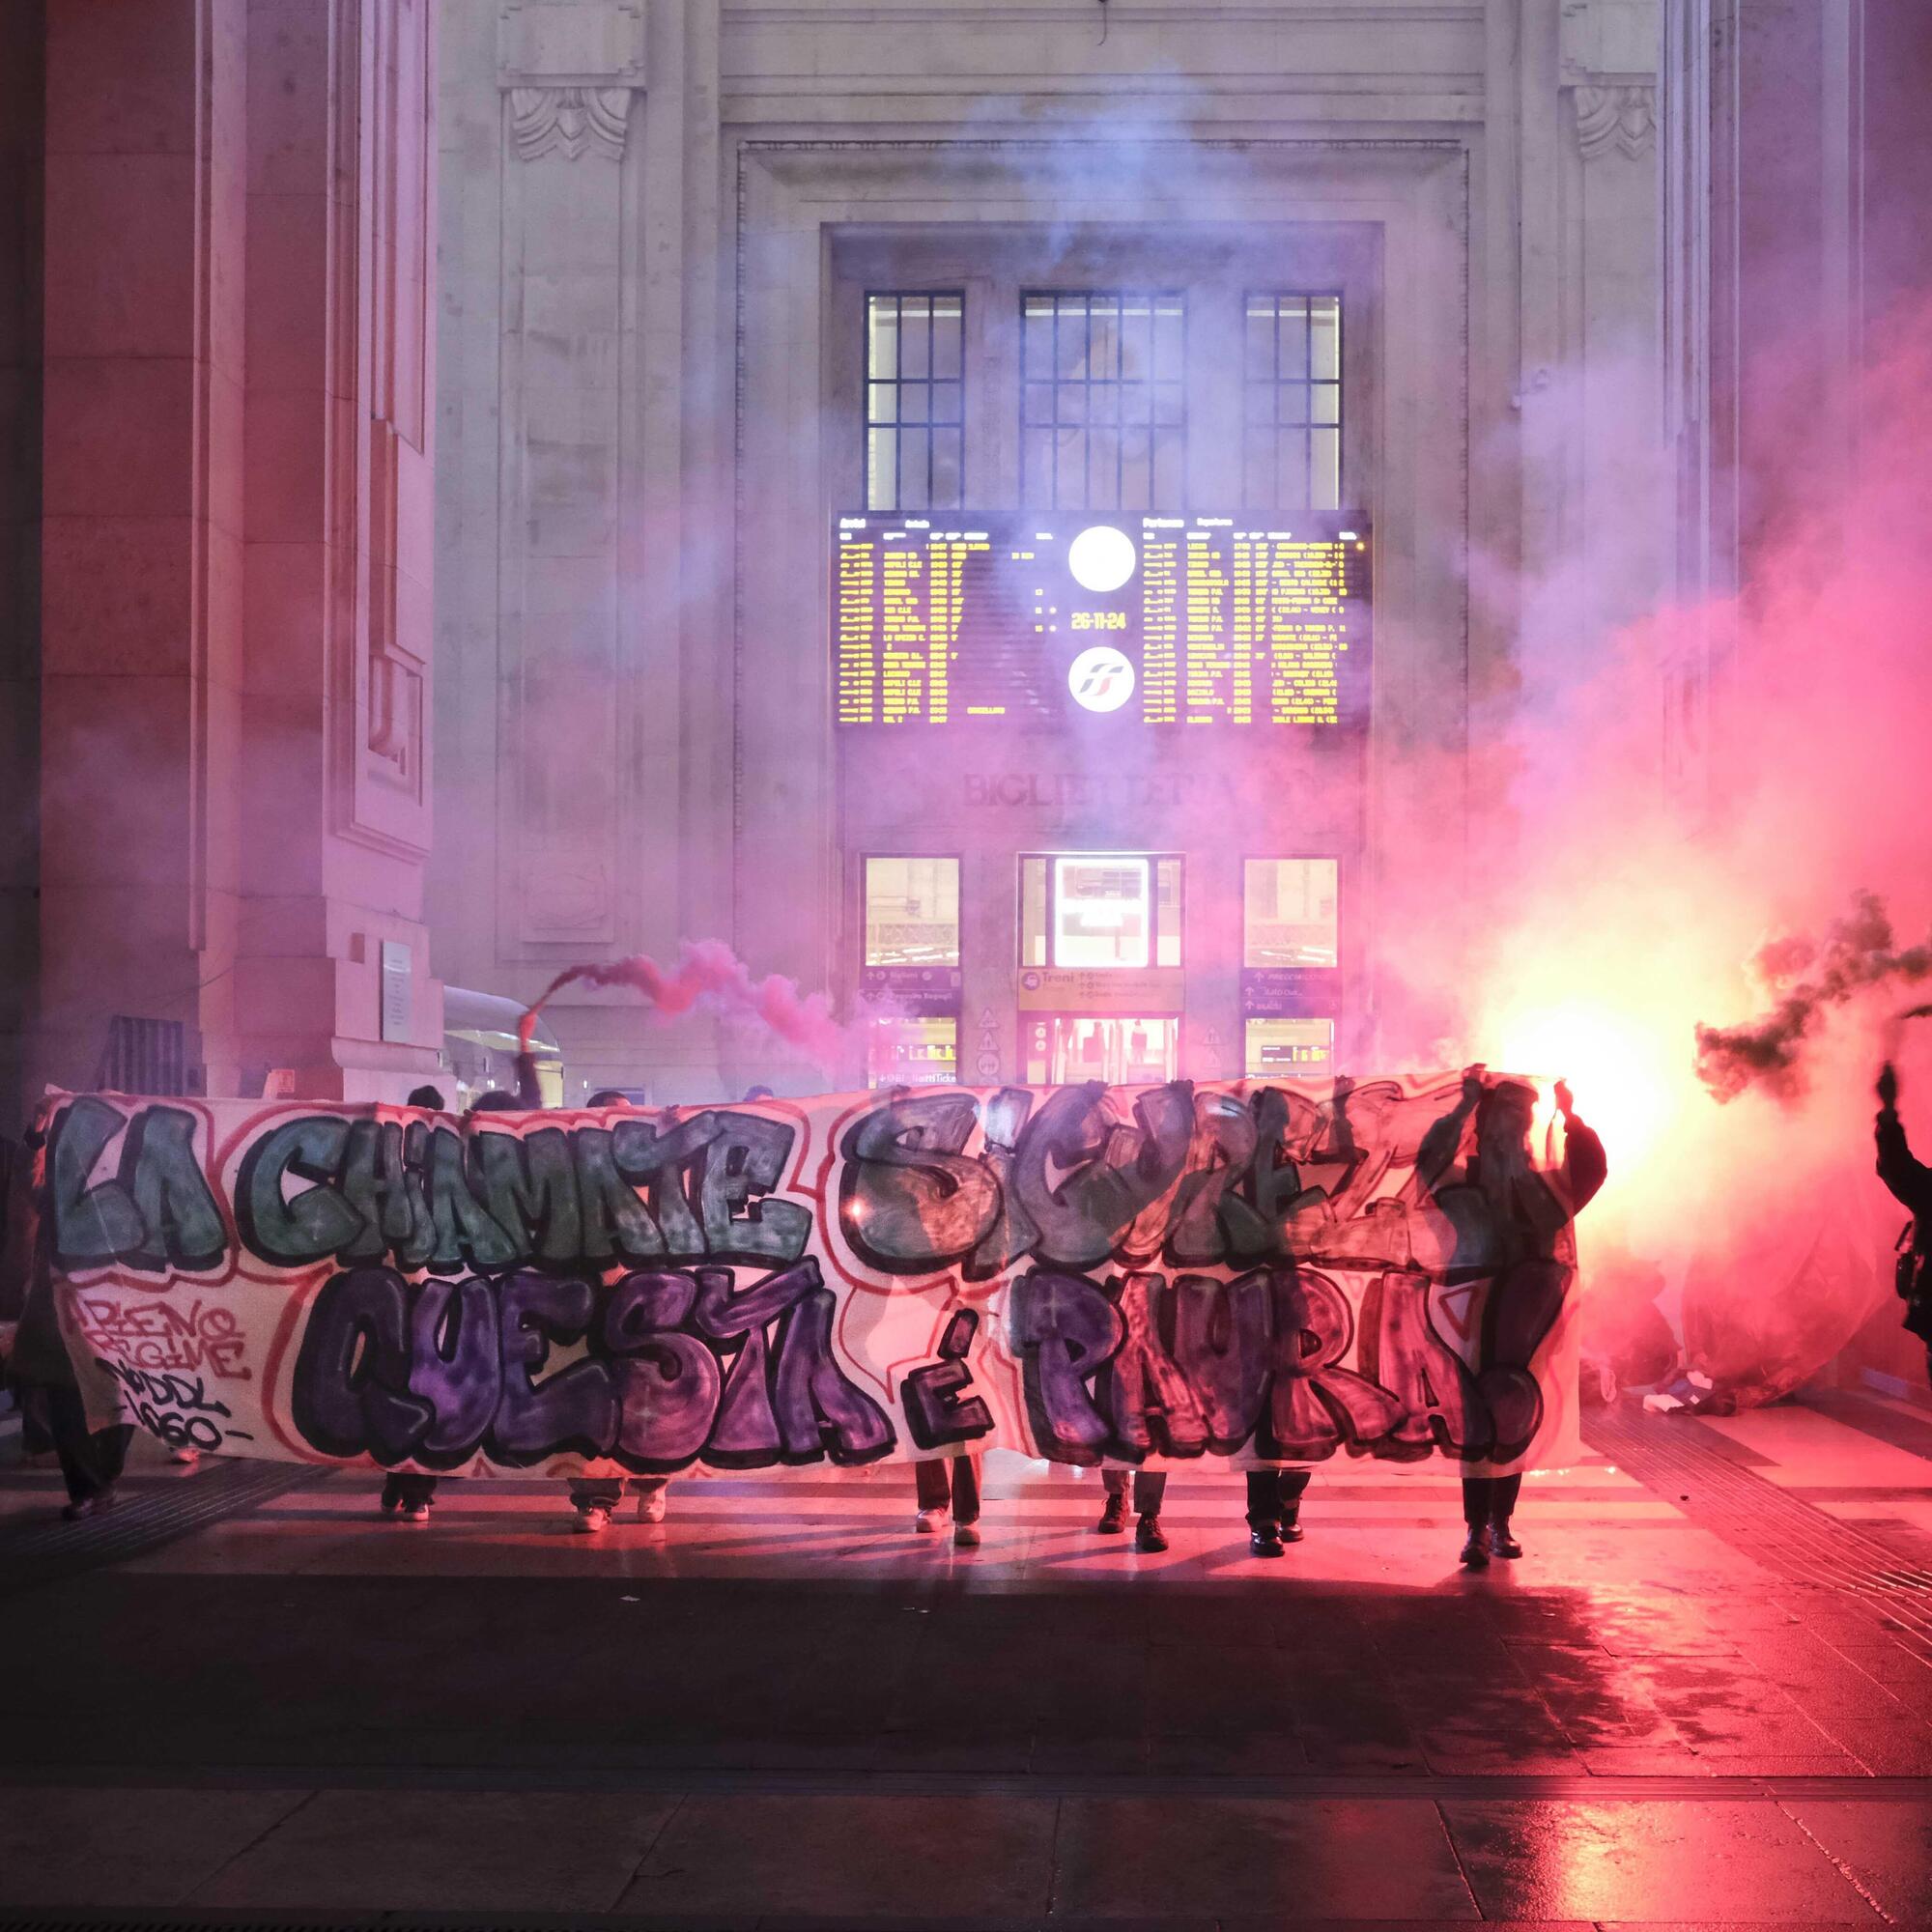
(569,120)
(1622,119)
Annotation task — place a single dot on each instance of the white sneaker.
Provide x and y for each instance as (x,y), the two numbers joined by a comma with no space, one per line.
(651,1506)
(929,1522)
(413,1513)
(595,1520)
(187,1458)
(965,1536)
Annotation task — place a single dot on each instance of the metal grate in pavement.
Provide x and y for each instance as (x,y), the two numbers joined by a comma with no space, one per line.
(1787,1535)
(46,1549)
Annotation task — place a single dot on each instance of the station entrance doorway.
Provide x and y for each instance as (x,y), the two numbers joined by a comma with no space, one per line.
(1120,1049)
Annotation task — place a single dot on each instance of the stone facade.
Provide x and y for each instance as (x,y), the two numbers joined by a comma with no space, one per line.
(236,545)
(651,212)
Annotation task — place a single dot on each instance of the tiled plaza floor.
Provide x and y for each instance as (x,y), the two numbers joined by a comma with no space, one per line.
(1704,1697)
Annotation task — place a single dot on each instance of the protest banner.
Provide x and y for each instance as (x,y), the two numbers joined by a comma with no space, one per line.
(1156,1274)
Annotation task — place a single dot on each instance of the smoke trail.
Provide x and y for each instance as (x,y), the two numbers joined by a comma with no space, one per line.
(707,970)
(1859,952)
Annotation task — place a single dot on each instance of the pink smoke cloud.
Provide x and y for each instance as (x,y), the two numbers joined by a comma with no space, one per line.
(710,973)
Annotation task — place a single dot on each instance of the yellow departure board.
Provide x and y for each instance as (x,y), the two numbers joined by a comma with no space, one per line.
(1230,621)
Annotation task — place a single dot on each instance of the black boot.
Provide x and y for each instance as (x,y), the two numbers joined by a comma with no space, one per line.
(1501,1541)
(1477,1550)
(1265,1539)
(1114,1515)
(1147,1536)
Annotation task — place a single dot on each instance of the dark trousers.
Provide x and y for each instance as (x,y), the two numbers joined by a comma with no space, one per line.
(1274,1496)
(607,1491)
(406,1491)
(961,1487)
(1490,1498)
(1150,1486)
(91,1460)
(37,1438)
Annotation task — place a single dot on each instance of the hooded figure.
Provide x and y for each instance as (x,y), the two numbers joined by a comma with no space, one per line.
(1911,1184)
(1507,1215)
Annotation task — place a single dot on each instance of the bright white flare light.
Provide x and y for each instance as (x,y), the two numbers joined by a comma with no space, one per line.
(1618,1071)
(1102,557)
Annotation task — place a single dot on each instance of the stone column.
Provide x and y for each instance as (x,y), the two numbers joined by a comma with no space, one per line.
(237,543)
(569,75)
(1609,55)
(22,158)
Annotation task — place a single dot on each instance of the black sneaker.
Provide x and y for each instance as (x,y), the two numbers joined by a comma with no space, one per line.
(1114,1516)
(1265,1542)
(1147,1536)
(84,1507)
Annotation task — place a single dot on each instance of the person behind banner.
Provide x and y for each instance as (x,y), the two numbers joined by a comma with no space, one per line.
(595,1499)
(1150,1488)
(940,1480)
(91,1460)
(1911,1184)
(1274,1508)
(1507,1215)
(406,1498)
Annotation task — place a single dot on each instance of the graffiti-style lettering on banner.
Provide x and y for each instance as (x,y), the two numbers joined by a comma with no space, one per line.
(1089,1274)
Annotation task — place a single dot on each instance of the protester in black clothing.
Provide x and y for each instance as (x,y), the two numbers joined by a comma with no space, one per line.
(1911,1184)
(1506,1216)
(91,1460)
(408,1497)
(1274,1508)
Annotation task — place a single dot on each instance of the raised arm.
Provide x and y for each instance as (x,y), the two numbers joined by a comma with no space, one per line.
(1910,1180)
(1437,1154)
(1585,1165)
(529,1093)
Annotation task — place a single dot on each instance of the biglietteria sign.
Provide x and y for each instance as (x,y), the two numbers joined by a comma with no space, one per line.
(1088,1275)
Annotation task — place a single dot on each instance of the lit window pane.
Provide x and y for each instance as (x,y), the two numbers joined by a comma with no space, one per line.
(912,911)
(948,486)
(1096,362)
(1032,912)
(1101,910)
(1167,912)
(906,1052)
(882,470)
(1280,1049)
(1324,324)
(1293,359)
(915,481)
(1290,912)
(915,337)
(883,336)
(948,319)
(903,341)
(1325,486)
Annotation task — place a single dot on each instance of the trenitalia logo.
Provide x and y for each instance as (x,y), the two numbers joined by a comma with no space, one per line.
(1100,679)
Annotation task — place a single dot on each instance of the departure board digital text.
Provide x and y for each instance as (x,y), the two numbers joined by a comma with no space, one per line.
(965,618)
